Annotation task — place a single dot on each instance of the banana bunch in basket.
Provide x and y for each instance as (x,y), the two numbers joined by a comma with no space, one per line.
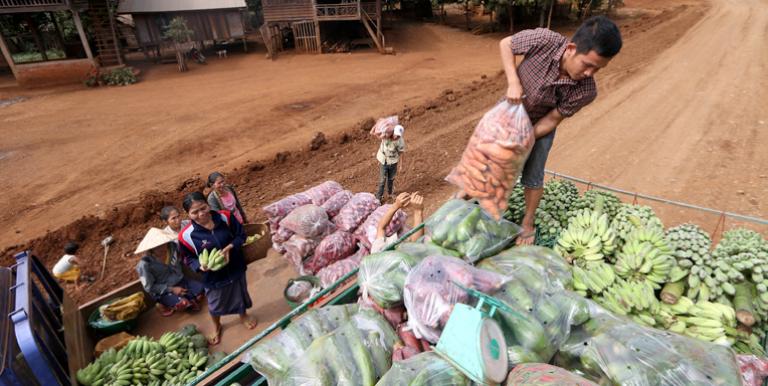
(125,308)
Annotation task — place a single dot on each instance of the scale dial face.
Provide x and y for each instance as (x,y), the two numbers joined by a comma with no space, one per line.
(493,349)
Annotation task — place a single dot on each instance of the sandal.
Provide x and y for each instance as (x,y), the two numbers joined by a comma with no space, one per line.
(165,312)
(215,338)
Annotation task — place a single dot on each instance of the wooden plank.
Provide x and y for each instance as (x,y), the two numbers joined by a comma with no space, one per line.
(7,55)
(81,34)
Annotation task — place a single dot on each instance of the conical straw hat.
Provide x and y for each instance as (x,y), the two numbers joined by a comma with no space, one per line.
(155,237)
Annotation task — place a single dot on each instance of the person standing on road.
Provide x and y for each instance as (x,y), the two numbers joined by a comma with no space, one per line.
(553,78)
(390,149)
(226,289)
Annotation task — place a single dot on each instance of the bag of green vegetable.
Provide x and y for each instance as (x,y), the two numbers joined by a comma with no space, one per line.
(614,350)
(542,374)
(536,291)
(424,369)
(430,292)
(422,250)
(359,352)
(272,357)
(464,227)
(382,276)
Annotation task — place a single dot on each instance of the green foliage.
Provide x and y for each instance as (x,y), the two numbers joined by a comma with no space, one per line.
(117,77)
(177,30)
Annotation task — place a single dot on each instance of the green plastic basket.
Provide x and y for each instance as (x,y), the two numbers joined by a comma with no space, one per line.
(108,327)
(308,278)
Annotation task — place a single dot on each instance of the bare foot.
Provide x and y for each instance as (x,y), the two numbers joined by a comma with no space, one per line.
(249,323)
(215,338)
(527,237)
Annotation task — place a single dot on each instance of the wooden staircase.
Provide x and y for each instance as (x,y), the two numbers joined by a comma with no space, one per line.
(104,32)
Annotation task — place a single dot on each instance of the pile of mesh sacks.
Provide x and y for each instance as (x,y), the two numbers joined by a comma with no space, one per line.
(326,230)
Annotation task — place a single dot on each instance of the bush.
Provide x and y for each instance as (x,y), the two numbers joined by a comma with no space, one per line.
(116,77)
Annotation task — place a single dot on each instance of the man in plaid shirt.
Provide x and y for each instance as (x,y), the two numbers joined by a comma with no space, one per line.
(553,78)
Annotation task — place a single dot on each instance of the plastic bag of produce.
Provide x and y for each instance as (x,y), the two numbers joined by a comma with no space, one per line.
(385,127)
(297,262)
(542,374)
(336,202)
(321,193)
(309,221)
(422,250)
(543,260)
(355,211)
(300,246)
(753,369)
(430,293)
(613,350)
(281,235)
(464,227)
(272,357)
(357,353)
(279,209)
(382,276)
(335,271)
(366,232)
(332,248)
(495,157)
(424,369)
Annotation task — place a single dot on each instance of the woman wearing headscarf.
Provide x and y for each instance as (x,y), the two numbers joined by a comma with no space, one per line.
(160,273)
(223,197)
(226,289)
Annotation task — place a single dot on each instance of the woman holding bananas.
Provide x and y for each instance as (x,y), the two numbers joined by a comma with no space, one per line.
(212,244)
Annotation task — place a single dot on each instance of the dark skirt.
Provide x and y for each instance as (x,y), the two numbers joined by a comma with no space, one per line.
(230,299)
(194,289)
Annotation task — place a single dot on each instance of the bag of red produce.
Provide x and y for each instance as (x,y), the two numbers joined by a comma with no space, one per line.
(309,221)
(542,374)
(321,193)
(281,235)
(366,232)
(495,157)
(385,127)
(336,202)
(300,246)
(355,211)
(335,271)
(333,247)
(754,369)
(430,293)
(279,209)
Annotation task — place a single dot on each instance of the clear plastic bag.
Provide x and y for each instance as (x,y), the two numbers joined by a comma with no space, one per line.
(309,221)
(753,369)
(424,369)
(359,352)
(422,250)
(332,248)
(279,209)
(355,211)
(335,271)
(281,235)
(336,202)
(430,293)
(542,374)
(273,357)
(385,127)
(382,276)
(614,350)
(464,227)
(495,157)
(543,312)
(366,232)
(321,193)
(300,246)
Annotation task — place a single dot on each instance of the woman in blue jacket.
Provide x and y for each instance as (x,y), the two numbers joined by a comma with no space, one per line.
(226,289)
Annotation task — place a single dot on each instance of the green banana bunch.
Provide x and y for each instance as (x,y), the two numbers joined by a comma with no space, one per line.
(594,277)
(213,259)
(635,299)
(645,256)
(629,216)
(587,238)
(594,198)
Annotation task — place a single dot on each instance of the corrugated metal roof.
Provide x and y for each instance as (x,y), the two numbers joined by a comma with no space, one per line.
(147,6)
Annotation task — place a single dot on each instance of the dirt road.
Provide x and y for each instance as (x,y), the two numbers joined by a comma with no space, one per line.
(690,125)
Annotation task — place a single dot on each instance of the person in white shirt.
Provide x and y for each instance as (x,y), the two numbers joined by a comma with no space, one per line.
(402,201)
(68,267)
(388,156)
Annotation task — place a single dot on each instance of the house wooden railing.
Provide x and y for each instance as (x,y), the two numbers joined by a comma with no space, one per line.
(344,11)
(32,4)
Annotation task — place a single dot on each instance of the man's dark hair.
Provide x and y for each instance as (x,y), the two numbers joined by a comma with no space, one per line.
(71,248)
(598,34)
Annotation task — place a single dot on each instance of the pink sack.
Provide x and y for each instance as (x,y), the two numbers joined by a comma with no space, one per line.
(430,293)
(308,221)
(385,127)
(336,202)
(335,271)
(542,374)
(279,209)
(754,369)
(494,157)
(281,235)
(321,193)
(366,232)
(333,247)
(300,246)
(296,262)
(355,211)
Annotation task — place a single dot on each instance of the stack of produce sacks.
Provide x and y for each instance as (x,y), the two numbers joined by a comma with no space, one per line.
(464,227)
(335,345)
(326,230)
(424,369)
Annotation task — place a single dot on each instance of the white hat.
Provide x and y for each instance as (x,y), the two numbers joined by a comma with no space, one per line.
(155,237)
(399,131)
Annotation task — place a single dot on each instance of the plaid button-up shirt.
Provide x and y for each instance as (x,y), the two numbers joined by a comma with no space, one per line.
(539,73)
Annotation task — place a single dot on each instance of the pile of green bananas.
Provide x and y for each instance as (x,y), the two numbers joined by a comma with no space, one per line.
(635,299)
(516,205)
(552,214)
(629,216)
(609,202)
(593,279)
(646,256)
(212,260)
(587,238)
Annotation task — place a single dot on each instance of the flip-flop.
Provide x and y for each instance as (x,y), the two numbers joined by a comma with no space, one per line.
(166,313)
(215,338)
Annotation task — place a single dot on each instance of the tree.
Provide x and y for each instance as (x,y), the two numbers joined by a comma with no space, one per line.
(178,32)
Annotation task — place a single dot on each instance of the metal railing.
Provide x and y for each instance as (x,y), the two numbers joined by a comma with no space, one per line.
(342,11)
